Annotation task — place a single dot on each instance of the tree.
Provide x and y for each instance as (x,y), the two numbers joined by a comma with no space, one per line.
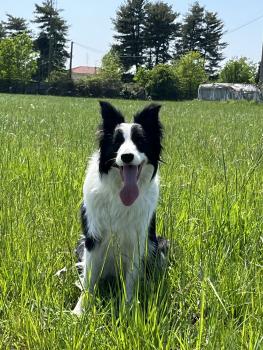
(2,31)
(238,71)
(211,44)
(192,30)
(190,73)
(160,29)
(129,25)
(159,82)
(202,31)
(111,67)
(51,41)
(17,58)
(15,25)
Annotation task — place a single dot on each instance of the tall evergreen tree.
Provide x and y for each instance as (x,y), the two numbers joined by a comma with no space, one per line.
(160,29)
(192,30)
(212,44)
(202,31)
(51,41)
(129,25)
(15,25)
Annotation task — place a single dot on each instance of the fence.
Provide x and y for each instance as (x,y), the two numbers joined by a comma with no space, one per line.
(35,87)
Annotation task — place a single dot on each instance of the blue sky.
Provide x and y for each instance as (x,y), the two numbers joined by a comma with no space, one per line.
(90,24)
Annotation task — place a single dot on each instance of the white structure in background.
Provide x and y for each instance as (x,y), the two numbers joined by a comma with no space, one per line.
(229,91)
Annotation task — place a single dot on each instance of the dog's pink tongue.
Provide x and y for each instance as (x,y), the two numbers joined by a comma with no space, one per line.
(130,190)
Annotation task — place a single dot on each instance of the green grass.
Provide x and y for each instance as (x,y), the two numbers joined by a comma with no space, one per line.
(211,206)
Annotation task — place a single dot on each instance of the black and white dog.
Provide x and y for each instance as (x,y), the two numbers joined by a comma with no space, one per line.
(120,192)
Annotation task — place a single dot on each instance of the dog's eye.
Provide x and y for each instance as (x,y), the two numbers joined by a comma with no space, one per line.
(118,138)
(138,138)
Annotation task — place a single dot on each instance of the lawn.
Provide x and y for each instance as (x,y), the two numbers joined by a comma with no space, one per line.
(211,207)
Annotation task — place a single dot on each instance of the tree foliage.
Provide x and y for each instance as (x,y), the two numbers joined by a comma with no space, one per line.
(2,30)
(212,44)
(190,73)
(111,66)
(238,71)
(160,82)
(202,31)
(51,41)
(129,25)
(159,31)
(17,58)
(144,32)
(192,30)
(15,25)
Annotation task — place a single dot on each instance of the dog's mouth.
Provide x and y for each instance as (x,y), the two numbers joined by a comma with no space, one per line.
(130,191)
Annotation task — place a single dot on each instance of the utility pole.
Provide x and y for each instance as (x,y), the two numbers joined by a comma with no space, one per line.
(50,38)
(261,68)
(70,59)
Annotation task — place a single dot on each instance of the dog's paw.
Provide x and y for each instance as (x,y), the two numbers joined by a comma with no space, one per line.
(78,309)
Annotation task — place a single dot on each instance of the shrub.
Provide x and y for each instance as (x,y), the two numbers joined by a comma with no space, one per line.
(238,71)
(61,84)
(98,87)
(159,82)
(132,91)
(190,72)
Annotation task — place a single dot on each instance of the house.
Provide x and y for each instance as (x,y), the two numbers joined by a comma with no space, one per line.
(81,72)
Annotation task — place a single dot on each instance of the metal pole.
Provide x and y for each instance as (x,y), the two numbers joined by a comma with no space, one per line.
(261,68)
(70,60)
(50,38)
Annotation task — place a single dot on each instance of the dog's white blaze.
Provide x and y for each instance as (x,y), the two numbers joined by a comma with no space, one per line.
(128,146)
(126,130)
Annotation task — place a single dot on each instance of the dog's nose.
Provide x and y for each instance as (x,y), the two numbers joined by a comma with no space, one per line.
(127,157)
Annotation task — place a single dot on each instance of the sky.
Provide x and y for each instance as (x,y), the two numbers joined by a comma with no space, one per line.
(91,25)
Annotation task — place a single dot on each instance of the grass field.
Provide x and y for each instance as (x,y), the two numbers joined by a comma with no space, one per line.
(211,205)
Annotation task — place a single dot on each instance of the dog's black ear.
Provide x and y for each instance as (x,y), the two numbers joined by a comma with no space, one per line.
(149,118)
(110,115)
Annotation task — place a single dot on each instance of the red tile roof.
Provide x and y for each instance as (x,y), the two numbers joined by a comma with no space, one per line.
(85,70)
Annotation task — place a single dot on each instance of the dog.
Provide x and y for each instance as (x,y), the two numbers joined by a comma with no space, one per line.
(120,196)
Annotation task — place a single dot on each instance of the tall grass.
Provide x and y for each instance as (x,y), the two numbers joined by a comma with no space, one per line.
(211,207)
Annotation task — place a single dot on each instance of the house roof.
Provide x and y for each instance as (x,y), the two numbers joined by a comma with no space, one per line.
(85,70)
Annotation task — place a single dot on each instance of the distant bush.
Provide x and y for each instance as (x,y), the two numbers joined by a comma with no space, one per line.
(159,82)
(238,71)
(61,84)
(190,73)
(98,87)
(132,91)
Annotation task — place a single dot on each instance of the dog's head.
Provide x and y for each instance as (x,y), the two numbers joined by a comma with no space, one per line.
(130,146)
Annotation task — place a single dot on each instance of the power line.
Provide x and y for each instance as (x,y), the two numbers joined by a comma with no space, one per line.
(89,48)
(243,25)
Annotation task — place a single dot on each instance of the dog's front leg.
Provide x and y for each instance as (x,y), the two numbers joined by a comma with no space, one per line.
(132,276)
(92,270)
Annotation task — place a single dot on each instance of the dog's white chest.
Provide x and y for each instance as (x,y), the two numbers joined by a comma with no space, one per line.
(107,214)
(120,229)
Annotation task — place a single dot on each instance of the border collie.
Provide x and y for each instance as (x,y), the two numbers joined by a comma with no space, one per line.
(120,196)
